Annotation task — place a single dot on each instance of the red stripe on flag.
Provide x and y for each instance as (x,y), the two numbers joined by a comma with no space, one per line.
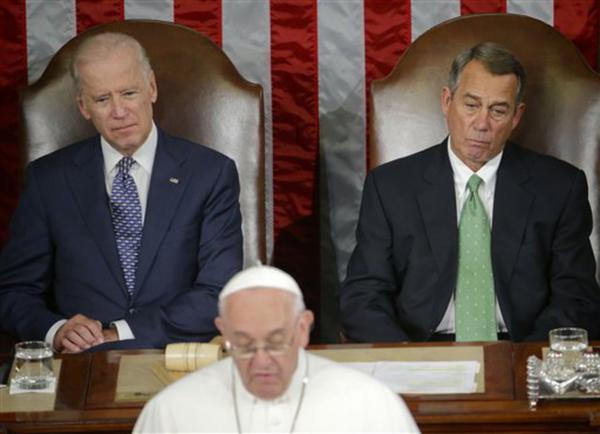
(387,36)
(90,13)
(204,16)
(294,83)
(468,7)
(13,76)
(579,20)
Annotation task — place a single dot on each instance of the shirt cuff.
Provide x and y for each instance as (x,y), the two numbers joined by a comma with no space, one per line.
(123,330)
(52,332)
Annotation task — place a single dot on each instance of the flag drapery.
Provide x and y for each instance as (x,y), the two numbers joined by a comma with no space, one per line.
(315,61)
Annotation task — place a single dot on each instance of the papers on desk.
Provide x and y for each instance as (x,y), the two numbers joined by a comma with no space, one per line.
(423,377)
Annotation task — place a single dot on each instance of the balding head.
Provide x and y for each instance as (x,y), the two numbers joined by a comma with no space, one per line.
(101,46)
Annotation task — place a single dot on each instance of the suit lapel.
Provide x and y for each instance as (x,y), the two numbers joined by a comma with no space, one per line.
(512,204)
(437,204)
(86,180)
(168,182)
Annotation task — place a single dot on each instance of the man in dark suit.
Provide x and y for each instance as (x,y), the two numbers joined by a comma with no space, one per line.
(128,236)
(418,273)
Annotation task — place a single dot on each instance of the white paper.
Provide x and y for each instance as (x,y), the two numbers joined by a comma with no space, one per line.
(366,368)
(424,377)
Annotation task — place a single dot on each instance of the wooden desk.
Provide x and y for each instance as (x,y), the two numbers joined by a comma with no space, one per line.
(85,400)
(510,415)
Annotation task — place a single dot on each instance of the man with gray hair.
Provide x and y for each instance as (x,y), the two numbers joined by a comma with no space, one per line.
(270,383)
(474,239)
(125,238)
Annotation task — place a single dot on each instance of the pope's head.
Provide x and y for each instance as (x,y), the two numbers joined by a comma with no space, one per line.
(264,322)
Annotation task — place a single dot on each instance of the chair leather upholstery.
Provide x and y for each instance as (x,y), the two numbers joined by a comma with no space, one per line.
(201,97)
(562,96)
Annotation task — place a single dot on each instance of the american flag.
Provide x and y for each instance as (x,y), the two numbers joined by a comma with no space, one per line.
(315,61)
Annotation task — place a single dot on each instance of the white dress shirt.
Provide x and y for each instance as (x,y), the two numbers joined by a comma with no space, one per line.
(336,399)
(488,173)
(141,173)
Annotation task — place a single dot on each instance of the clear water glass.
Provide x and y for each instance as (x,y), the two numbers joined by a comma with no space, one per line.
(571,342)
(33,366)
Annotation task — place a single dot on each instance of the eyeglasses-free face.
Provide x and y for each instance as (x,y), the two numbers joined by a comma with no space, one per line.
(481,113)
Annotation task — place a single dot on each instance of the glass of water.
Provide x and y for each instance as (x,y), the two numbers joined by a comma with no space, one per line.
(33,366)
(571,342)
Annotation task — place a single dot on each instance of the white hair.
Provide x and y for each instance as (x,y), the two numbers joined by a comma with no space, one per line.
(101,45)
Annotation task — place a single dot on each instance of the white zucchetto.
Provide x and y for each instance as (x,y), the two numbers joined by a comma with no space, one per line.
(261,276)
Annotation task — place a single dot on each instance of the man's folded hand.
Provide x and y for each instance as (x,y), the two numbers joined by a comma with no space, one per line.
(78,334)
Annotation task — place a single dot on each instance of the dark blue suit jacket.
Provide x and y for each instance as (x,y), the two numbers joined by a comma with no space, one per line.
(403,271)
(61,258)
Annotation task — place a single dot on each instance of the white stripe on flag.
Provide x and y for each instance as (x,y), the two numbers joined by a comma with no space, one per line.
(427,13)
(342,121)
(149,10)
(246,37)
(543,10)
(50,24)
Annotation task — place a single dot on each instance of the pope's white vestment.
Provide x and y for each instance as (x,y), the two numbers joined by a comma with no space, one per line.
(336,399)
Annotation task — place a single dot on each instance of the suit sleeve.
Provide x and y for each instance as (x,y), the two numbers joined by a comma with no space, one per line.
(574,296)
(26,268)
(367,297)
(190,315)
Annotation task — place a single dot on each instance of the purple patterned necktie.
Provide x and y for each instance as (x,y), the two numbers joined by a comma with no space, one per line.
(126,211)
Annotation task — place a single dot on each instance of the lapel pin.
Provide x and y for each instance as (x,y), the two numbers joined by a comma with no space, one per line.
(174,180)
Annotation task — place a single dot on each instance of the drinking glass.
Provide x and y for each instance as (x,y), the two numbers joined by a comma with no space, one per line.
(33,366)
(571,342)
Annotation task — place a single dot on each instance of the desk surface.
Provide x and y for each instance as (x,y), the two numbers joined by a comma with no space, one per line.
(85,400)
